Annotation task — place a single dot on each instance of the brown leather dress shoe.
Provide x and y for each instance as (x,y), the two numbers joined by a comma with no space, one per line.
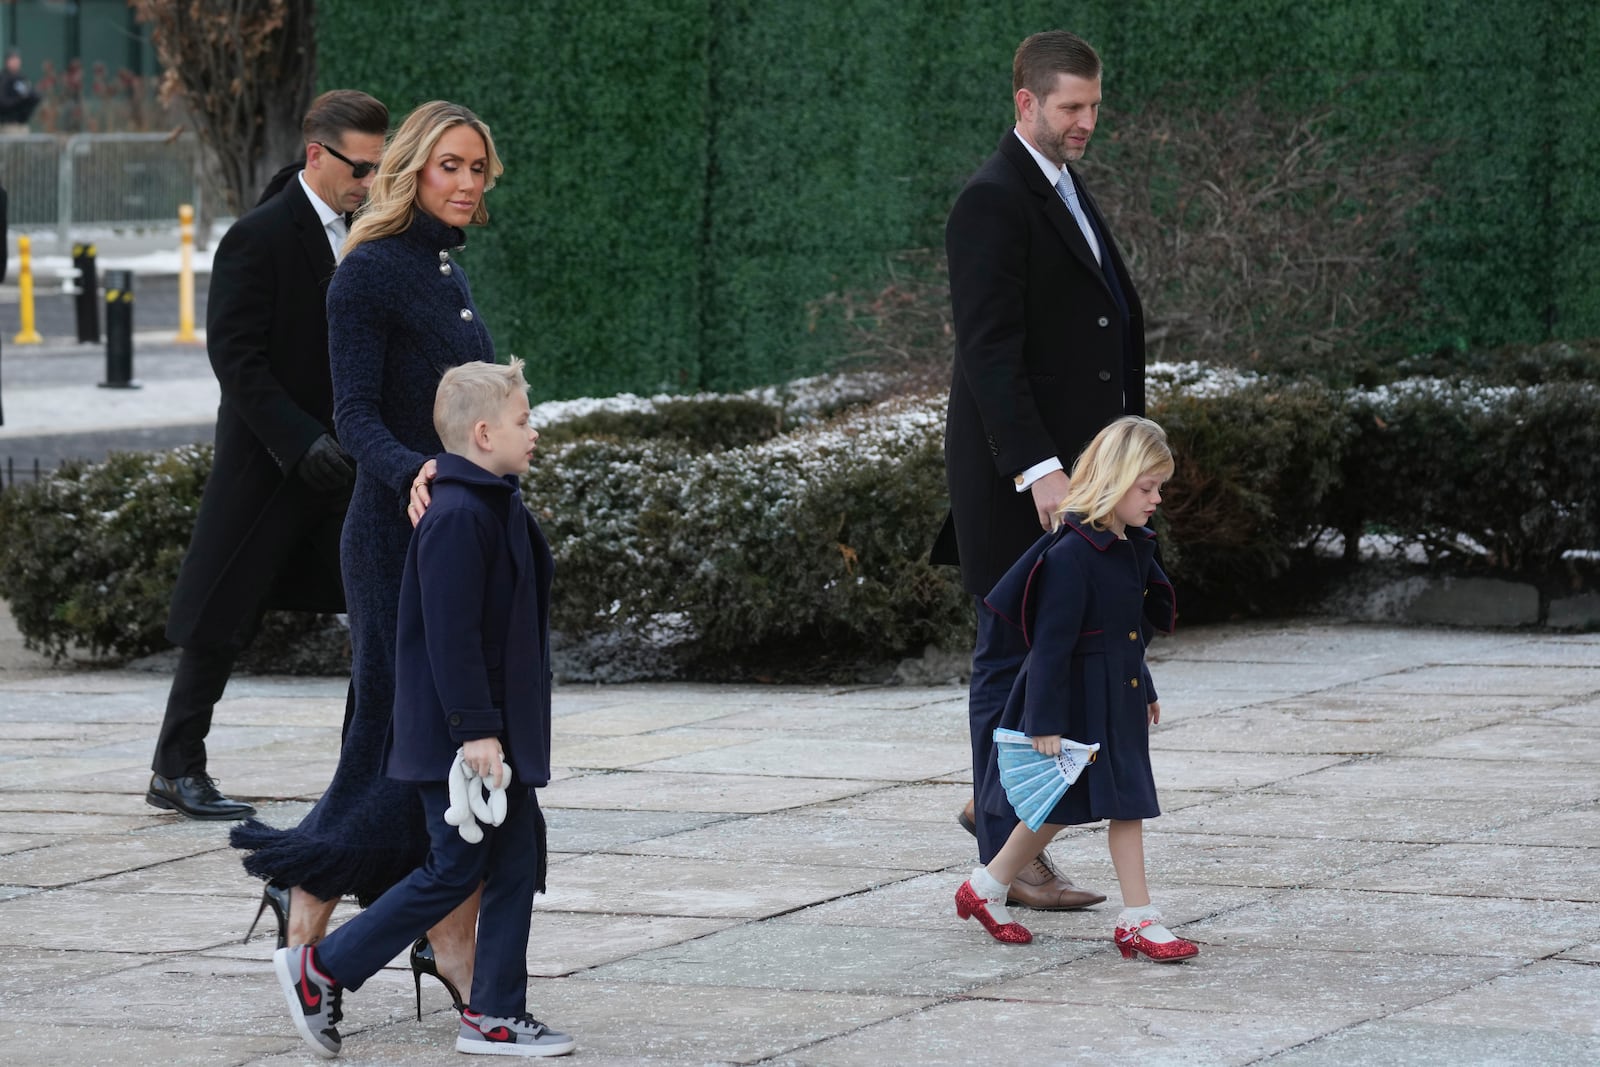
(968,819)
(1042,887)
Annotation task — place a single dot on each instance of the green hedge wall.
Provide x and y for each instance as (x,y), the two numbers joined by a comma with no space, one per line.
(685,180)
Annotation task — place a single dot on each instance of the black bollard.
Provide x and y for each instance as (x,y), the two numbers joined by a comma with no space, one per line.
(119,331)
(88,299)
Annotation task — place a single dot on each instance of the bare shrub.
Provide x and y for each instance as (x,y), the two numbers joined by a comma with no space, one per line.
(1256,238)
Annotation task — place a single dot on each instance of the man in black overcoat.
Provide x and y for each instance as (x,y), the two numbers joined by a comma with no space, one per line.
(267,534)
(1049,348)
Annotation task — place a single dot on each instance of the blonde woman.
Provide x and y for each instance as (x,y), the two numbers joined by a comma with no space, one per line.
(400,314)
(1085,597)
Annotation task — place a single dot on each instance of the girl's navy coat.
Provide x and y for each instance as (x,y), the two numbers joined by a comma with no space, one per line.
(471,651)
(1085,601)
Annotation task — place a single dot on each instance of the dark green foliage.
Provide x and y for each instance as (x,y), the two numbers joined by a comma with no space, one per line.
(590,268)
(703,423)
(1505,476)
(811,546)
(686,181)
(1256,473)
(91,554)
(742,550)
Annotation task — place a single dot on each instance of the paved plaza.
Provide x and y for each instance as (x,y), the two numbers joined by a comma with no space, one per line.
(1386,841)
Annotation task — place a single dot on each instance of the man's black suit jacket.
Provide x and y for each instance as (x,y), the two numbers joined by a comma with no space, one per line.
(263,538)
(1044,356)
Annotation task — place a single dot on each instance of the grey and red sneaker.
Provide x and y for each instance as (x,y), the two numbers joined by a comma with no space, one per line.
(523,1035)
(313,998)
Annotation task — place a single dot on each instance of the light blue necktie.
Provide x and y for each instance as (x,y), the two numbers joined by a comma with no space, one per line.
(1069,194)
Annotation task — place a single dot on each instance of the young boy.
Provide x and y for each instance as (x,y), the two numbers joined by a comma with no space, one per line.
(471,673)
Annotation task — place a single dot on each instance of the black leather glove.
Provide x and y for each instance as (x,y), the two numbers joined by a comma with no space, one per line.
(326,467)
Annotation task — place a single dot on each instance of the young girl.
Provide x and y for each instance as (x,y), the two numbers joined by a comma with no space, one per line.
(1082,597)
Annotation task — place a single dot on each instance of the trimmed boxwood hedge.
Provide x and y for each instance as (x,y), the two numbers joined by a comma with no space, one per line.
(786,531)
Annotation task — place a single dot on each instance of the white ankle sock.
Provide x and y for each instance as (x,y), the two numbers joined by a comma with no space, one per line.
(993,894)
(1155,933)
(987,887)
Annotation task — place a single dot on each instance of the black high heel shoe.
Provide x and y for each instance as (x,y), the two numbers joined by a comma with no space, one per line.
(276,897)
(423,962)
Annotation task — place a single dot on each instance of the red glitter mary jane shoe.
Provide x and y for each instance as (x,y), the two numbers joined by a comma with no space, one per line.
(992,915)
(1131,940)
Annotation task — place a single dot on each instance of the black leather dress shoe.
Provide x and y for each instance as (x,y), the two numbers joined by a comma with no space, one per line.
(195,796)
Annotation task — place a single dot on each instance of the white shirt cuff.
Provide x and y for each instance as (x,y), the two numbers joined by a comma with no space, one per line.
(1026,479)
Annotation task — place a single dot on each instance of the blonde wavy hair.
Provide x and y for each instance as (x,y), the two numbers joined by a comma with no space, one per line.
(1125,451)
(393,198)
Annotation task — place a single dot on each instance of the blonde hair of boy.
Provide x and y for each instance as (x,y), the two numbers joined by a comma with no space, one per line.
(471,393)
(1121,454)
(393,197)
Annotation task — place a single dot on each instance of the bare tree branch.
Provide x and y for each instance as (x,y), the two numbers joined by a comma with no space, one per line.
(246,69)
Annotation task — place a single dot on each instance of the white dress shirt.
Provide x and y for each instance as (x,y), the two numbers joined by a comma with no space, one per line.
(332,221)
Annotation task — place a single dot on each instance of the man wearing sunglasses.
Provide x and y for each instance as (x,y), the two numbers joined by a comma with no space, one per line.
(267,532)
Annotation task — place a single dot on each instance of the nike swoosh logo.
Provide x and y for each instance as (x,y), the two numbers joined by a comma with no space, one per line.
(306,996)
(499,1033)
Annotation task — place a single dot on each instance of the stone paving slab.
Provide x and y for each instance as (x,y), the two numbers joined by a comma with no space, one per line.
(583,752)
(1487,680)
(661,791)
(1349,988)
(961,1033)
(826,841)
(1232,772)
(1386,841)
(1314,729)
(732,1023)
(1528,740)
(1401,1044)
(1352,921)
(1267,813)
(1579,826)
(1548,996)
(937,722)
(841,959)
(928,903)
(1409,778)
(658,885)
(903,761)
(1578,714)
(1527,872)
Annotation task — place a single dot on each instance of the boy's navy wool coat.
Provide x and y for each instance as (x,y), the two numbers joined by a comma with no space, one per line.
(472,647)
(1085,601)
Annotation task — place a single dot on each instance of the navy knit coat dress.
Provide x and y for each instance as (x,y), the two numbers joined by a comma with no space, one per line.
(1086,602)
(400,314)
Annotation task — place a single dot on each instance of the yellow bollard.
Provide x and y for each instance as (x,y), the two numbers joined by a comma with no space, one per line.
(27,335)
(186,274)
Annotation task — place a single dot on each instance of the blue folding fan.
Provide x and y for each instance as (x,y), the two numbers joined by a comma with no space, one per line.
(1033,781)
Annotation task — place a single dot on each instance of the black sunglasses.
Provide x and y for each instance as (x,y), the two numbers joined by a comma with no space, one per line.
(357,170)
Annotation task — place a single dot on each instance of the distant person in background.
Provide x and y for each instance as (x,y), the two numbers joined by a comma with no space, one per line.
(17,98)
(267,534)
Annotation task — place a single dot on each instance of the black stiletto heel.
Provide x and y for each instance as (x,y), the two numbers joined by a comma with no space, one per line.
(423,962)
(276,897)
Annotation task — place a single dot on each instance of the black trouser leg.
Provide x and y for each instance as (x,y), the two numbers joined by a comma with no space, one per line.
(196,687)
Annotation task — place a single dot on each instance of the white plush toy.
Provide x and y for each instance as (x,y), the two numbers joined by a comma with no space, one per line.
(474,799)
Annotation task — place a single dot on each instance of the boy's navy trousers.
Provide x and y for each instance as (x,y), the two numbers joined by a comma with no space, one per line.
(506,861)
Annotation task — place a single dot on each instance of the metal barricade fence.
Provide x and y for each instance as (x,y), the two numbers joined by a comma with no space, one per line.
(118,180)
(127,180)
(30,167)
